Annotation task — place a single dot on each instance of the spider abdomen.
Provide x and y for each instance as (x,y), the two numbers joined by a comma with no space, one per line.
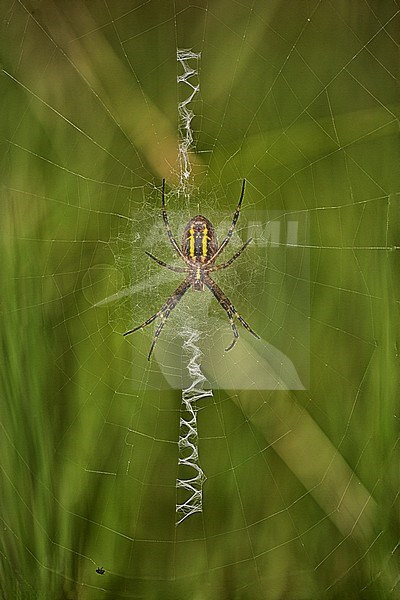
(199,240)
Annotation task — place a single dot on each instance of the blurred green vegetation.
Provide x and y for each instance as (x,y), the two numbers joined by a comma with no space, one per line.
(301,500)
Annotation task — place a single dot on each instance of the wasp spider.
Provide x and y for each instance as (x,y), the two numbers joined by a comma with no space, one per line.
(198,251)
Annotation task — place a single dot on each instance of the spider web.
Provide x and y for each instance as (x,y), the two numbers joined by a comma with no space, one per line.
(301,496)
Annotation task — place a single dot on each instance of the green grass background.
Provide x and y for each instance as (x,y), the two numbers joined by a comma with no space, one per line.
(301,499)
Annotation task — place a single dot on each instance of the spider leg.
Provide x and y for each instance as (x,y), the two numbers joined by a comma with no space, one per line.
(170,267)
(143,325)
(230,261)
(167,225)
(229,309)
(233,224)
(164,311)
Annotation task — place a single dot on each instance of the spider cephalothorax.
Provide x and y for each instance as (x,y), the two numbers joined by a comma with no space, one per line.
(199,252)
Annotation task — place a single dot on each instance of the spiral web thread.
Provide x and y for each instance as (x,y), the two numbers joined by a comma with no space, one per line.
(188,435)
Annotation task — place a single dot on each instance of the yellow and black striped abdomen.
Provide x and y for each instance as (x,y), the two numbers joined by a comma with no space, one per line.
(199,240)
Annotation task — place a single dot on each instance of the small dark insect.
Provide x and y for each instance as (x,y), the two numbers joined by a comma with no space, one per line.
(198,251)
(100,570)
